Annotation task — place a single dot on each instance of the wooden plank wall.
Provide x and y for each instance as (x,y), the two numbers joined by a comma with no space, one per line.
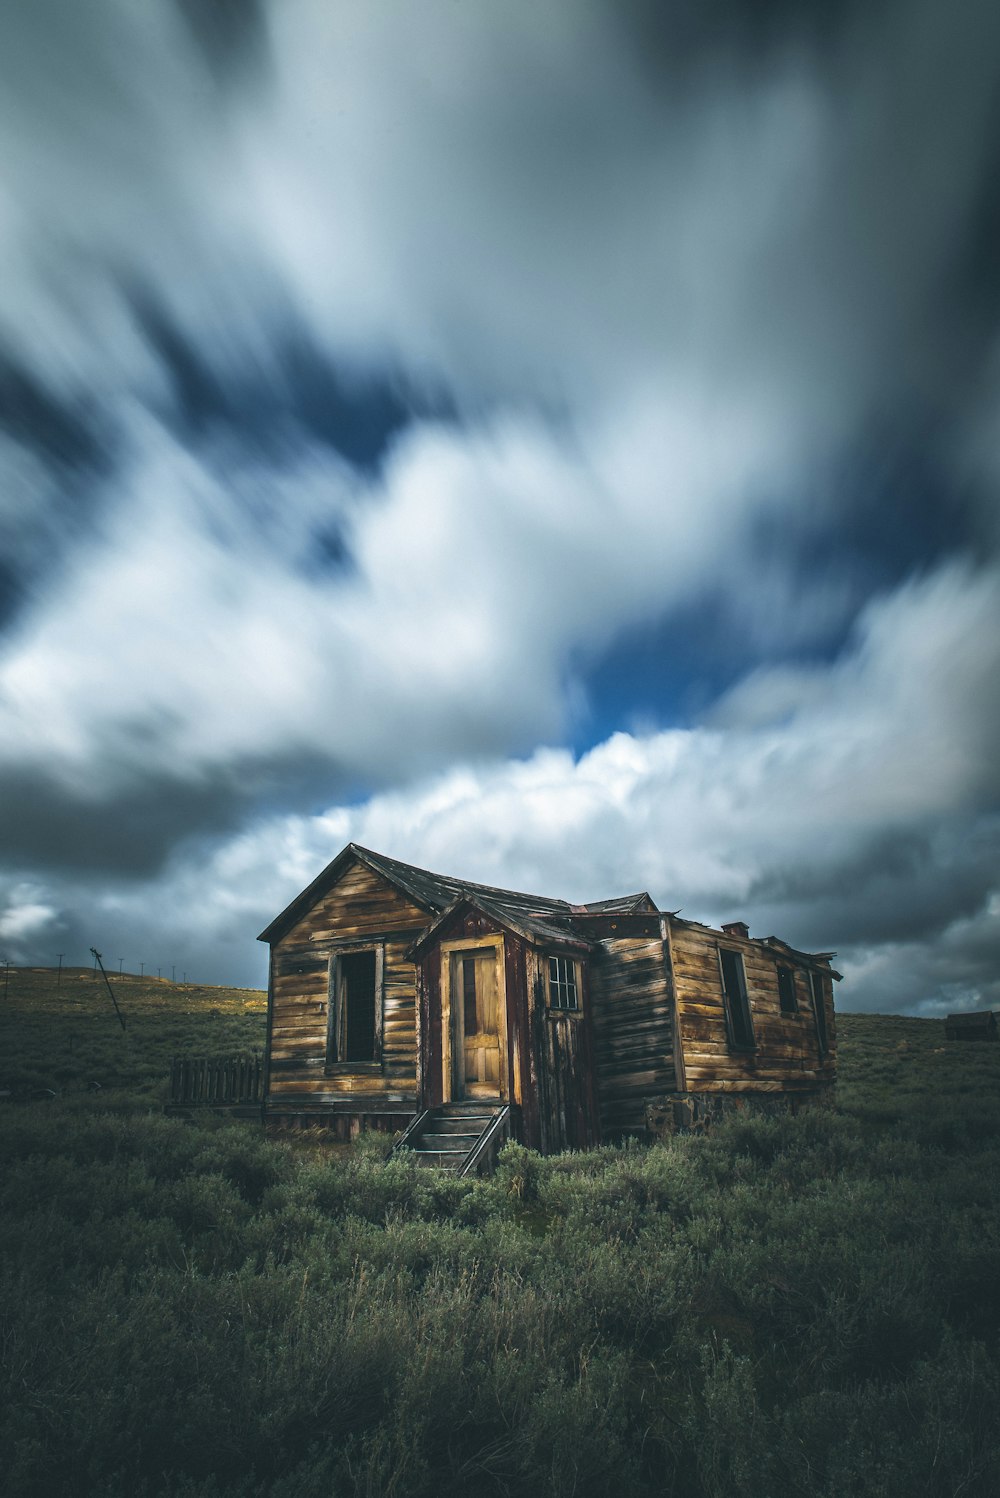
(361,907)
(633,1029)
(786,1057)
(561,1065)
(523,1095)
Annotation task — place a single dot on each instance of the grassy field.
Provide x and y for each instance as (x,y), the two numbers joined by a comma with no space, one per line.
(805,1306)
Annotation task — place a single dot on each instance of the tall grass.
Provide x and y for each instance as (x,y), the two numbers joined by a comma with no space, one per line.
(804,1305)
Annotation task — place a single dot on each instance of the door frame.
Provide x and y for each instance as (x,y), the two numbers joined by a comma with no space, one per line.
(450,949)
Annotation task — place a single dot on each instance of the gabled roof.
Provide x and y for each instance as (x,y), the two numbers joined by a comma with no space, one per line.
(523,923)
(437,892)
(640,904)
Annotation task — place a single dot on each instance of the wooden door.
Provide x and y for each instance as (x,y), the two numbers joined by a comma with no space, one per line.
(476,1011)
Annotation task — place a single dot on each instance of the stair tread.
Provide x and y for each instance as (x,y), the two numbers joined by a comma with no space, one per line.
(440,1149)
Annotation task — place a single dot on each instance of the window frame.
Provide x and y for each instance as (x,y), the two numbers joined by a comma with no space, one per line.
(570,980)
(742,998)
(784,971)
(336,1022)
(817,993)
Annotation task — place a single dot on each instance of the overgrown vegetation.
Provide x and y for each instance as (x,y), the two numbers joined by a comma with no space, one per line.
(799,1305)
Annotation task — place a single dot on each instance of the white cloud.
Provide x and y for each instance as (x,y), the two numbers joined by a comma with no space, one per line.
(661,294)
(778,825)
(26,916)
(188,633)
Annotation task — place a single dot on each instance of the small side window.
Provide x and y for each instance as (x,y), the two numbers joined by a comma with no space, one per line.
(563,993)
(786,991)
(734,988)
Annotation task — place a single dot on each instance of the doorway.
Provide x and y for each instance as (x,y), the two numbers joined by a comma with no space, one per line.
(475,1010)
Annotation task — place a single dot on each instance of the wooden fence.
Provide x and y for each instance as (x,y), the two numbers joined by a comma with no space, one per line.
(215,1081)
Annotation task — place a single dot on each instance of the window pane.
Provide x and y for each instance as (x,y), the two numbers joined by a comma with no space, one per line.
(469,1012)
(737,1003)
(562,983)
(357,976)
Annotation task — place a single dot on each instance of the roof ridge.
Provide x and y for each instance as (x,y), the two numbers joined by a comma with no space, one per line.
(455,885)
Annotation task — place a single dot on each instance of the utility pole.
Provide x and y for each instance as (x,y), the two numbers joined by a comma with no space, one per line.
(120,961)
(173,973)
(142,969)
(159,973)
(59,971)
(97,959)
(6,975)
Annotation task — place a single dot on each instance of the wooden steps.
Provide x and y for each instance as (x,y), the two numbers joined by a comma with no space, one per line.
(460,1137)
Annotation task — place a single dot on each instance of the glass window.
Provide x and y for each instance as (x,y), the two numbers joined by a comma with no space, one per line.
(562,983)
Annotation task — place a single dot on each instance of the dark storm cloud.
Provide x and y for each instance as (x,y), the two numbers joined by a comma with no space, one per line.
(54,452)
(901,886)
(672,41)
(300,390)
(233,34)
(65,433)
(132,832)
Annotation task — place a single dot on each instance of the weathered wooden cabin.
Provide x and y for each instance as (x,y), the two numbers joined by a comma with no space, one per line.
(401,999)
(976,1024)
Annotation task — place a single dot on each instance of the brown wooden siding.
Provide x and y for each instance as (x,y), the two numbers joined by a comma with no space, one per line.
(523,1095)
(361,907)
(633,1029)
(786,1053)
(561,1063)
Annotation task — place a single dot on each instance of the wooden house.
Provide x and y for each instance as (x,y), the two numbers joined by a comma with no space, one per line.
(464,1014)
(976,1024)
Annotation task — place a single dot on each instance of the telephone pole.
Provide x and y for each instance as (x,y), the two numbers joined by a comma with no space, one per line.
(59,971)
(97,962)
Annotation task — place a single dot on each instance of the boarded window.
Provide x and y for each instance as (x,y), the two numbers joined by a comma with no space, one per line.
(786,991)
(818,986)
(354,1012)
(734,987)
(562,983)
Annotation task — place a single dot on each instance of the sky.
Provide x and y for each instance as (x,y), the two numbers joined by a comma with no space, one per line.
(554,443)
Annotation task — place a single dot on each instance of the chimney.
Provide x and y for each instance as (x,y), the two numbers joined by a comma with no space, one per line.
(737,928)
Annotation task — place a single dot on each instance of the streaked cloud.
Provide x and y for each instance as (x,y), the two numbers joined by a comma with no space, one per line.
(558,438)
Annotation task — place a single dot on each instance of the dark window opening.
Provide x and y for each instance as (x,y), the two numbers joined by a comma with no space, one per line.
(470,1013)
(562,983)
(818,987)
(786,991)
(357,1006)
(734,985)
